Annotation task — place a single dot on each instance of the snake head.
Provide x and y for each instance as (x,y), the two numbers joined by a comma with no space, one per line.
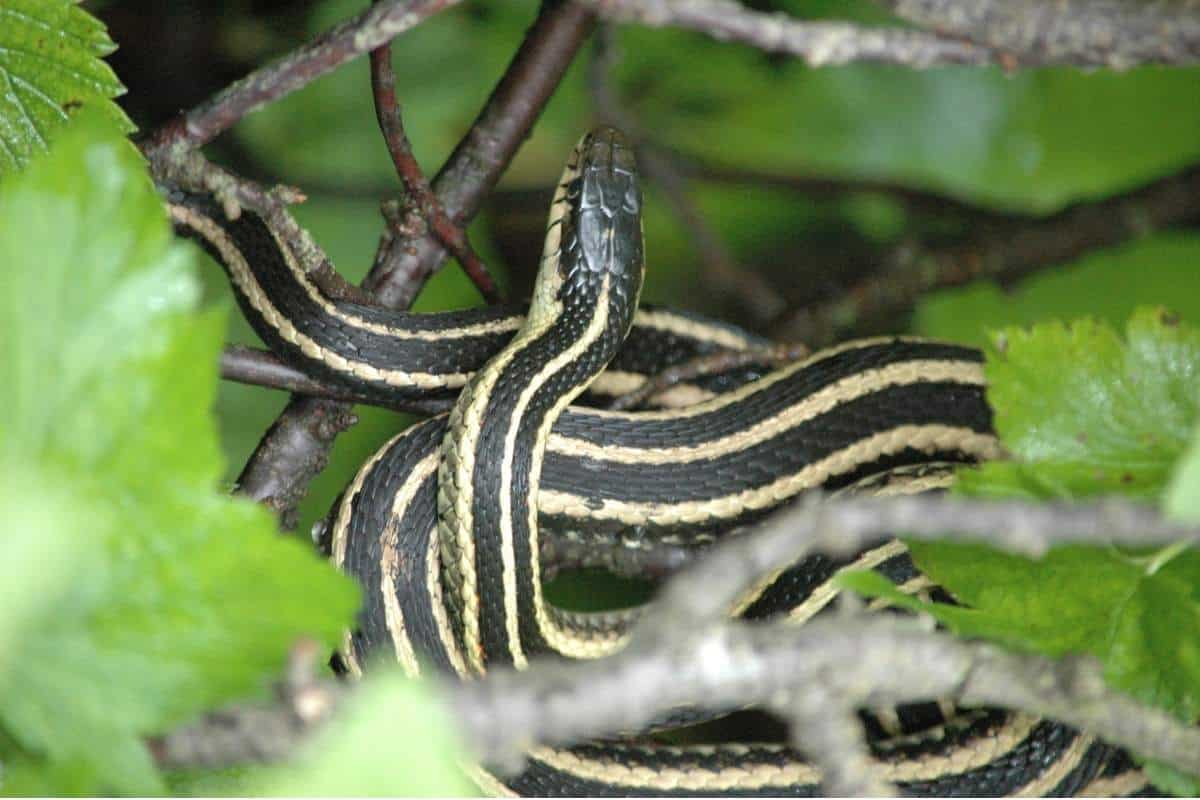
(594,242)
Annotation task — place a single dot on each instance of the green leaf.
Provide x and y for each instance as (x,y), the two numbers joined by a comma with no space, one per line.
(50,69)
(392,737)
(1138,615)
(162,598)
(1107,285)
(1182,499)
(1085,412)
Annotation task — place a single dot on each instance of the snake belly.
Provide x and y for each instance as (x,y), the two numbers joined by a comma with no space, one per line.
(442,526)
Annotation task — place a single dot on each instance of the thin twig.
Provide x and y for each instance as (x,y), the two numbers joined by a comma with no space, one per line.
(403,264)
(354,37)
(1004,253)
(755,295)
(776,356)
(391,124)
(1089,33)
(298,444)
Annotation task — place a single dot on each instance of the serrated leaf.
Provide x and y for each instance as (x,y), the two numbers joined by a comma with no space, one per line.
(1138,613)
(1085,412)
(1107,285)
(50,69)
(182,598)
(371,748)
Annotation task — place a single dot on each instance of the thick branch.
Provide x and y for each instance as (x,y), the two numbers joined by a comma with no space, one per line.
(1095,33)
(1060,34)
(820,44)
(685,652)
(352,38)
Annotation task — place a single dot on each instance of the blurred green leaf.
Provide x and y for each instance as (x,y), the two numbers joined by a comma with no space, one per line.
(1107,285)
(1084,412)
(1182,499)
(392,737)
(50,68)
(1034,140)
(161,598)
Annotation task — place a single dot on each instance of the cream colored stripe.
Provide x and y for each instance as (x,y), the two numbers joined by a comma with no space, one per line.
(569,643)
(955,761)
(242,277)
(1123,785)
(847,389)
(648,779)
(692,329)
(456,472)
(924,438)
(341,527)
(1061,767)
(391,558)
(615,383)
(959,759)
(823,594)
(346,651)
(762,384)
(489,784)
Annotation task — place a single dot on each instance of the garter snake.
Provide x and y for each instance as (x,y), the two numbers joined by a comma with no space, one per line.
(442,525)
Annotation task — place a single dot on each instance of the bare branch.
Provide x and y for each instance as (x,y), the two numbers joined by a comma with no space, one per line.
(297,445)
(820,44)
(1089,33)
(387,113)
(1084,33)
(757,298)
(685,652)
(1005,251)
(403,264)
(352,38)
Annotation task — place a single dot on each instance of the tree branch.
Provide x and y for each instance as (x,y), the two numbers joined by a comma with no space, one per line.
(297,445)
(403,263)
(819,44)
(685,652)
(757,298)
(1087,33)
(1005,251)
(420,195)
(1056,36)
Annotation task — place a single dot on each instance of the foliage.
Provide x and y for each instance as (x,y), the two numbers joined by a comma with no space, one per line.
(153,597)
(50,69)
(1084,411)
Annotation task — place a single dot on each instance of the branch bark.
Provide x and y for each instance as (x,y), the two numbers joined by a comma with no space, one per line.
(298,443)
(1091,33)
(1006,250)
(403,264)
(686,652)
(1085,33)
(419,193)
